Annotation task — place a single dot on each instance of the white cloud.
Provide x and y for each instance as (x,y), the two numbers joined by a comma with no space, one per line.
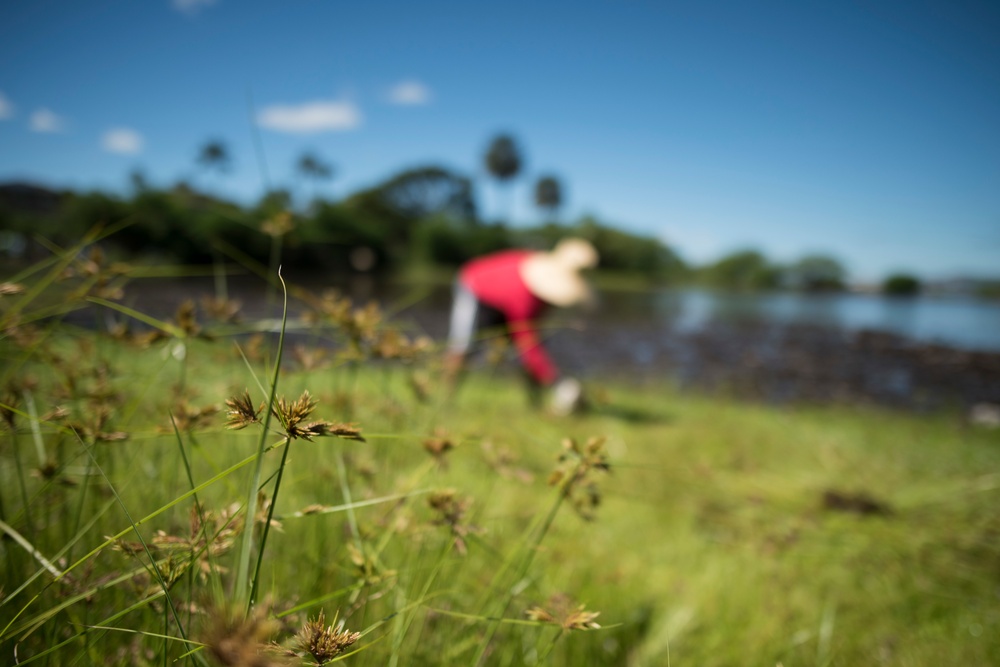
(409,93)
(191,6)
(122,140)
(44,120)
(311,117)
(6,108)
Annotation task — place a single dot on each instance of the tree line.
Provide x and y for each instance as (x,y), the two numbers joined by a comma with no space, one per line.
(423,215)
(426,215)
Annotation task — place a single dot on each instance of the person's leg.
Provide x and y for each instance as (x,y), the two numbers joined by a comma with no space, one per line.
(534,390)
(462,326)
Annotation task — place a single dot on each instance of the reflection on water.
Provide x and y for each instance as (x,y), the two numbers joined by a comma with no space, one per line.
(963,322)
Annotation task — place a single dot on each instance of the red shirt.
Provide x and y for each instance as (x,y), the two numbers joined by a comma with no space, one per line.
(496,281)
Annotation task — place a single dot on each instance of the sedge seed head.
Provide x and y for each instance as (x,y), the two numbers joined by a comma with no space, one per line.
(238,640)
(325,642)
(241,412)
(562,611)
(292,416)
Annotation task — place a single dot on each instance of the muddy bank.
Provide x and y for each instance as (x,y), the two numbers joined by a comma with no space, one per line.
(793,363)
(777,362)
(773,362)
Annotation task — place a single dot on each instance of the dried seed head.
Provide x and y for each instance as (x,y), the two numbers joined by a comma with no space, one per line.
(321,428)
(223,310)
(278,224)
(574,474)
(109,292)
(580,619)
(367,319)
(254,347)
(563,612)
(187,417)
(113,436)
(211,534)
(238,641)
(185,318)
(367,567)
(148,338)
(22,335)
(291,415)
(329,306)
(392,344)
(263,509)
(241,412)
(540,615)
(325,642)
(439,445)
(309,358)
(504,461)
(450,511)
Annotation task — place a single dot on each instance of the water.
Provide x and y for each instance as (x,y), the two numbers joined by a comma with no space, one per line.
(954,321)
(963,322)
(921,353)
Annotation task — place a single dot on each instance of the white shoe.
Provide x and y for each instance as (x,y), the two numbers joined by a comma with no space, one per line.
(567,395)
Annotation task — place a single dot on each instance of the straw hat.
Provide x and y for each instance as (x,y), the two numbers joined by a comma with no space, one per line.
(554,277)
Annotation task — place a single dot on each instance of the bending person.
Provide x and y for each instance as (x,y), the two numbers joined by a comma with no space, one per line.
(514,288)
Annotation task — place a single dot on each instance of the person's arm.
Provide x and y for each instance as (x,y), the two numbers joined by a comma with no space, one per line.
(534,358)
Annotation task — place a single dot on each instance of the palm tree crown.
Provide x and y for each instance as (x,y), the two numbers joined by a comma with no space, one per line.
(214,155)
(503,158)
(311,166)
(548,194)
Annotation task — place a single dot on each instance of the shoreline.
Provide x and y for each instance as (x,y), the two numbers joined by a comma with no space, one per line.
(772,361)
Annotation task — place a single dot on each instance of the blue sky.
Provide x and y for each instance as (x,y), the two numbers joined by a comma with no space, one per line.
(868,130)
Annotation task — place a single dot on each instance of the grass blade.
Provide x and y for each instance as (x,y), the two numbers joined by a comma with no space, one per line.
(244,562)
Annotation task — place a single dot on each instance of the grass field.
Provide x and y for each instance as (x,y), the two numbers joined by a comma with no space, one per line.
(677,528)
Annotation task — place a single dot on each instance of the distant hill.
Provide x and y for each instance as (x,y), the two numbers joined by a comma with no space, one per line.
(30,198)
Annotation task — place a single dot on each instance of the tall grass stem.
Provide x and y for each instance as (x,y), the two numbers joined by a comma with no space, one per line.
(247,546)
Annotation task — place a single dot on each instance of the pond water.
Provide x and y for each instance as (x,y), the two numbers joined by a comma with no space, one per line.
(922,353)
(959,321)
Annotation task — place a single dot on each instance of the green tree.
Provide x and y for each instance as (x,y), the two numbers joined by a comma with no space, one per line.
(430,191)
(503,162)
(335,230)
(742,270)
(273,203)
(817,273)
(548,195)
(440,242)
(394,209)
(901,284)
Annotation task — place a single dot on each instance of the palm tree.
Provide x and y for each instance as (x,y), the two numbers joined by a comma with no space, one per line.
(548,195)
(503,162)
(214,154)
(312,168)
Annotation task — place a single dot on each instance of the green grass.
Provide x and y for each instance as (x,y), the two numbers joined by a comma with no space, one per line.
(710,543)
